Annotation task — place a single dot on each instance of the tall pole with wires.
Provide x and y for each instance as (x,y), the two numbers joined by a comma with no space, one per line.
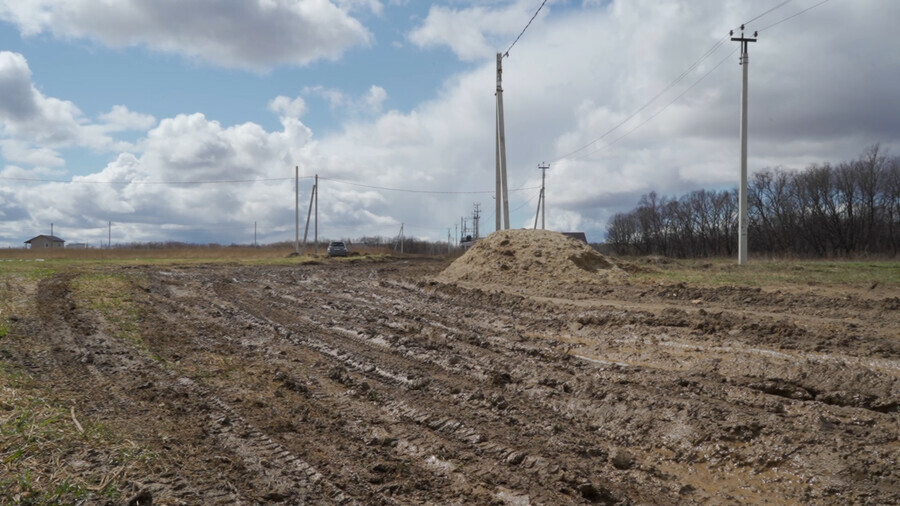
(543,199)
(502,203)
(742,195)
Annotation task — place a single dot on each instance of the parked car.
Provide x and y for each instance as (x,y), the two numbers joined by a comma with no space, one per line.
(337,249)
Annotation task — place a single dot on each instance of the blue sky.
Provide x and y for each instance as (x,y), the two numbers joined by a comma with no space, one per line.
(400,94)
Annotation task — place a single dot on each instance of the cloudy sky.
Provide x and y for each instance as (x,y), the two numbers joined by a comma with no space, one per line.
(184,120)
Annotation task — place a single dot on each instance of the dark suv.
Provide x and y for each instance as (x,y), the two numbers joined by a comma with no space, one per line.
(337,249)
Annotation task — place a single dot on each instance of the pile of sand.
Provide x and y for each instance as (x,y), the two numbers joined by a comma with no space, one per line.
(529,258)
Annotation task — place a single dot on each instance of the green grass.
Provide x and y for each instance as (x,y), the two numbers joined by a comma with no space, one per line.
(39,441)
(773,273)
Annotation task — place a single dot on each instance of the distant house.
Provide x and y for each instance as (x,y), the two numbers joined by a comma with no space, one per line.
(77,245)
(45,241)
(577,236)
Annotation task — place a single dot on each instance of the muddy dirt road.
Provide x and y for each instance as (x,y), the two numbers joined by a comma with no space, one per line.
(371,383)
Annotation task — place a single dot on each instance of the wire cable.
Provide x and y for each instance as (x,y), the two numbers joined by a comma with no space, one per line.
(794,15)
(677,80)
(433,192)
(657,113)
(782,4)
(506,54)
(232,181)
(218,181)
(668,87)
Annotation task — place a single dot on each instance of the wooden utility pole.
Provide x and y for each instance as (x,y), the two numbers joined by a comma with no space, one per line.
(296,212)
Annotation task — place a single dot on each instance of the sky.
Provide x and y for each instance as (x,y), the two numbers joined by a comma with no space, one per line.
(157,121)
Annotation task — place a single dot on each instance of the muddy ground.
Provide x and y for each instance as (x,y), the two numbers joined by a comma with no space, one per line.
(371,383)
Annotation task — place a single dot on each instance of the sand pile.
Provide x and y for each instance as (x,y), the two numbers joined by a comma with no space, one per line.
(529,258)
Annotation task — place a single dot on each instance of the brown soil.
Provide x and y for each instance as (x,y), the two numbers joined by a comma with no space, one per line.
(536,259)
(378,384)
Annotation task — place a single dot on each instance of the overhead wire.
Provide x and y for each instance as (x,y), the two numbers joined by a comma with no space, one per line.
(506,54)
(88,181)
(231,181)
(782,4)
(432,192)
(677,80)
(668,87)
(658,112)
(794,15)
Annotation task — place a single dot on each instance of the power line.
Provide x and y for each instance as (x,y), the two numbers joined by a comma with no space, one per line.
(794,15)
(217,181)
(523,29)
(433,192)
(232,181)
(782,4)
(657,113)
(677,80)
(668,87)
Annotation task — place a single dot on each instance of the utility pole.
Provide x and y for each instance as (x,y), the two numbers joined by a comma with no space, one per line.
(542,202)
(476,215)
(502,203)
(109,236)
(254,234)
(316,229)
(742,196)
(312,195)
(296,212)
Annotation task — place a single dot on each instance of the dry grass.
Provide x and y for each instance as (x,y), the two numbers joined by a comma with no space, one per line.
(188,254)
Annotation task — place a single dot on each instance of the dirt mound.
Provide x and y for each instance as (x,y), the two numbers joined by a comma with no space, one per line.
(530,258)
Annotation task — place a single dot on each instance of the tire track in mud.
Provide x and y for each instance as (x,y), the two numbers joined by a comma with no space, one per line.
(358,352)
(355,358)
(282,475)
(762,406)
(358,384)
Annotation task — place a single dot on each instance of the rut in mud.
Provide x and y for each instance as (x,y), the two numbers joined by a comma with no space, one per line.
(375,384)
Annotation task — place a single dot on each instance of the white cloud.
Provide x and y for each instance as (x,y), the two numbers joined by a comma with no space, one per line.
(253,34)
(119,118)
(473,33)
(286,106)
(375,98)
(370,103)
(22,152)
(821,89)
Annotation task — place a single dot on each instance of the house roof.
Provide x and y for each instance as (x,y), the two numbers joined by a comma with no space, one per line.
(51,237)
(576,235)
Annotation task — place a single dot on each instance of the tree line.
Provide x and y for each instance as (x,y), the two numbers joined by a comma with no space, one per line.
(824,210)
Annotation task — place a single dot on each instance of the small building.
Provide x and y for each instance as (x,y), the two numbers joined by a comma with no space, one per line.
(578,236)
(45,241)
(77,245)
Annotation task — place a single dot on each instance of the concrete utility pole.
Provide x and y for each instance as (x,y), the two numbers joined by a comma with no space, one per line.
(476,215)
(316,228)
(742,195)
(502,203)
(542,202)
(296,212)
(312,195)
(109,236)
